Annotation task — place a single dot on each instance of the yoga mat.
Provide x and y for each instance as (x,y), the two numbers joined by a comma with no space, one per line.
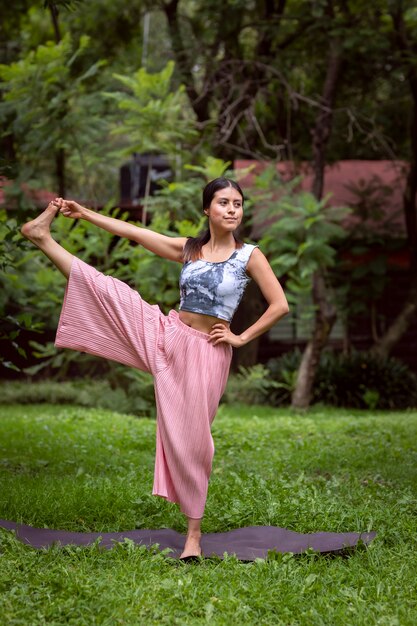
(247,544)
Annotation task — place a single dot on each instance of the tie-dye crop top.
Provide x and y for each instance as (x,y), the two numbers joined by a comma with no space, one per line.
(215,288)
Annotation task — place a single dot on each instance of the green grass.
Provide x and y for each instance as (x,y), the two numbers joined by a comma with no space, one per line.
(333,470)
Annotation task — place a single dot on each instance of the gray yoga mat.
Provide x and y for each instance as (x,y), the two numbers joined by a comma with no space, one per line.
(247,544)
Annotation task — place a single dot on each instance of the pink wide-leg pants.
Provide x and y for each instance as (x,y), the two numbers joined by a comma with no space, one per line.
(103,316)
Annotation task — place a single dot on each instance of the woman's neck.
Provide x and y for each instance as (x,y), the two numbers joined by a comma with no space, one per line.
(218,242)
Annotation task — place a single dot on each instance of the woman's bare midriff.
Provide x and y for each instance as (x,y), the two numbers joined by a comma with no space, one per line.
(198,321)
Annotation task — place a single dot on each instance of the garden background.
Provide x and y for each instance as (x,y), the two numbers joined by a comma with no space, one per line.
(130,108)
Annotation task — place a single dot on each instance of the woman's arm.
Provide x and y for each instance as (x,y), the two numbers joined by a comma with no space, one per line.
(261,272)
(168,247)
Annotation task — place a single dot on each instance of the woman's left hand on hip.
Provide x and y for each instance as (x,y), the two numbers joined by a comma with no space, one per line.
(222,334)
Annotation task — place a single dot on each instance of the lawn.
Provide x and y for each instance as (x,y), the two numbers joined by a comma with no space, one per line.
(333,470)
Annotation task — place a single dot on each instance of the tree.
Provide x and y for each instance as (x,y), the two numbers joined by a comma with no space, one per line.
(325,312)
(302,244)
(151,117)
(225,54)
(271,79)
(52,112)
(404,22)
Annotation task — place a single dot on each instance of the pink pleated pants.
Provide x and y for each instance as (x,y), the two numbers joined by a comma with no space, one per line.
(103,316)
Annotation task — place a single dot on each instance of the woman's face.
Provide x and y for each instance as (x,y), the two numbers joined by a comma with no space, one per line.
(226,209)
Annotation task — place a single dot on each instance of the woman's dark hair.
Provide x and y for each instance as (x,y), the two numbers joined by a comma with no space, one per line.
(192,249)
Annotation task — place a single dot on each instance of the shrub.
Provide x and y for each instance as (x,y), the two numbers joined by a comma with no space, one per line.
(137,387)
(363,380)
(283,371)
(357,380)
(251,385)
(129,392)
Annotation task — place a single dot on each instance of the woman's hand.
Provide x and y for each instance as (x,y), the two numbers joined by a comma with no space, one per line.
(222,334)
(71,209)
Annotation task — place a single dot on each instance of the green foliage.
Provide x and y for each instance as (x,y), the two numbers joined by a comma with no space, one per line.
(211,168)
(11,326)
(301,237)
(123,391)
(358,380)
(236,82)
(66,4)
(181,199)
(363,380)
(51,95)
(251,385)
(283,370)
(151,117)
(362,273)
(135,388)
(361,281)
(9,240)
(47,108)
(31,285)
(78,392)
(32,289)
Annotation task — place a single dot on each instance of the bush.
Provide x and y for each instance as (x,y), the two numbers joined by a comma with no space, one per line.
(363,380)
(357,380)
(283,371)
(251,385)
(129,392)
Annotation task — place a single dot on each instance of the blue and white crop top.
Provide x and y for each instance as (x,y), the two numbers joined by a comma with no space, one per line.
(214,288)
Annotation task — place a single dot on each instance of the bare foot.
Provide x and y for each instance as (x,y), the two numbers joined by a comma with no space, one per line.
(37,229)
(192,546)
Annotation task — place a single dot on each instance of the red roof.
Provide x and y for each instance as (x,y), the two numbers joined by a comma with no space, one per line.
(374,189)
(40,198)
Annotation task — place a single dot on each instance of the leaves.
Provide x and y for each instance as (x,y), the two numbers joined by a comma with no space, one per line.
(211,168)
(47,108)
(151,116)
(302,237)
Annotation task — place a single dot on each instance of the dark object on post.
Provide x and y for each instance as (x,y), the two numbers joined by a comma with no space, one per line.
(141,176)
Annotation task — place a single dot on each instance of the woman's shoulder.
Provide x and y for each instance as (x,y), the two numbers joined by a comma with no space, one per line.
(249,246)
(245,251)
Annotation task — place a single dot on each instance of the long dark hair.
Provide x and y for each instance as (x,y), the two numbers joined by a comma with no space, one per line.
(192,248)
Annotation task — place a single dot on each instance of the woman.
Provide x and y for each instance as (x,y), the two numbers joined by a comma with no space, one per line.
(188,352)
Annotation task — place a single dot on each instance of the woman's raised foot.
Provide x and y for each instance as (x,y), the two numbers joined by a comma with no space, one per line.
(38,229)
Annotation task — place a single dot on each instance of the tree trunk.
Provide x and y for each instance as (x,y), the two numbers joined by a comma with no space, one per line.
(402,322)
(325,315)
(399,326)
(231,83)
(53,9)
(323,127)
(147,192)
(60,172)
(198,102)
(60,154)
(325,318)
